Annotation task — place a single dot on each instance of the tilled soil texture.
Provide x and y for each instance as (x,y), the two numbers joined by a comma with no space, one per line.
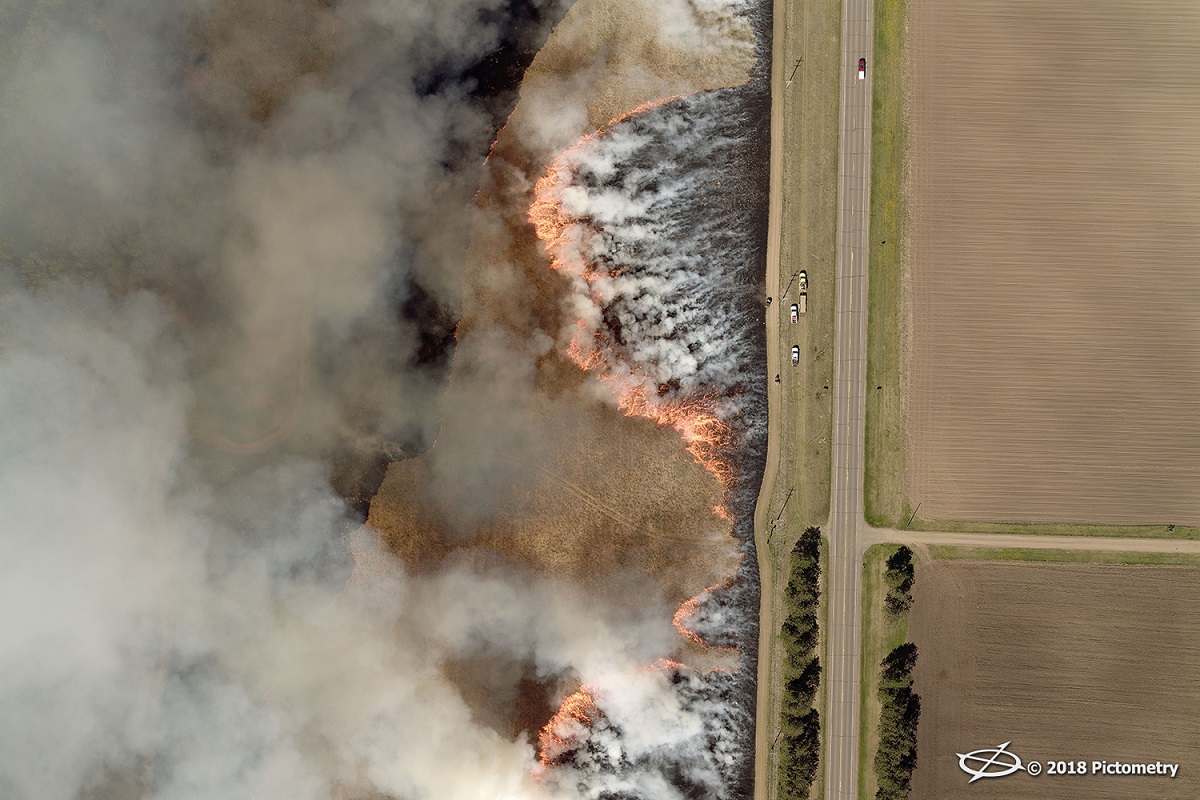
(1053,261)
(1066,661)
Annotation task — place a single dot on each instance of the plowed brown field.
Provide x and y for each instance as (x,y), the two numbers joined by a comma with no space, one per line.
(1066,661)
(1053,260)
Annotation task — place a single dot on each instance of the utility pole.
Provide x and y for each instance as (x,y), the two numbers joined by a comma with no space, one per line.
(795,67)
(782,508)
(789,286)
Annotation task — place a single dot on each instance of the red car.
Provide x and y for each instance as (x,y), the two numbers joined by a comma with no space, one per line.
(862,68)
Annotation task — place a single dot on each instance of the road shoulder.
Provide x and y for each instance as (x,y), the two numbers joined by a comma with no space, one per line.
(884,468)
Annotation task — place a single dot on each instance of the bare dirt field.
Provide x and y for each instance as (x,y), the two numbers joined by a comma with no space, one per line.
(1053,261)
(1070,661)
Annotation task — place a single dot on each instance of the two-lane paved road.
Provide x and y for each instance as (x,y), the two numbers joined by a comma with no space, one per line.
(849,402)
(840,717)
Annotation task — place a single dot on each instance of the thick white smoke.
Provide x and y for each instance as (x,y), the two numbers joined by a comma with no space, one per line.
(91,410)
(663,733)
(210,213)
(659,234)
(146,640)
(655,220)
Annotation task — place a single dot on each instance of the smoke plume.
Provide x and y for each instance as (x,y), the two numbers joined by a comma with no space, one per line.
(232,235)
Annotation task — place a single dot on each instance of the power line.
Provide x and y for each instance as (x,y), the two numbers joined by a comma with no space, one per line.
(794,68)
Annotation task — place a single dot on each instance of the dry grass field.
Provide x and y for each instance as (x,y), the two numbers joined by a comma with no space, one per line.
(1081,661)
(588,493)
(576,489)
(1053,261)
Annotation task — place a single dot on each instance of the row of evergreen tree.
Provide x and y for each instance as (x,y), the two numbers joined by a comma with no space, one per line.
(800,734)
(900,706)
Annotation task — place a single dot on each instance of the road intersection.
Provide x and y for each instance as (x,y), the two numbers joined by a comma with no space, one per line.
(840,718)
(843,571)
(847,532)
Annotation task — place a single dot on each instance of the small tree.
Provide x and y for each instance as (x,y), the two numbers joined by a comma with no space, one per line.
(899,579)
(896,671)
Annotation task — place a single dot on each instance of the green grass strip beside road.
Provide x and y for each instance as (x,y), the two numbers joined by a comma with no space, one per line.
(884,475)
(1056,529)
(809,242)
(881,634)
(1061,556)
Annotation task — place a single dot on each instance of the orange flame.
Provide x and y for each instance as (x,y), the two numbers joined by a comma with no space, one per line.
(684,613)
(562,163)
(671,666)
(560,737)
(546,213)
(707,436)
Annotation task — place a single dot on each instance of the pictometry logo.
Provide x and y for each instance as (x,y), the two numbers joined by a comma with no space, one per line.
(998,761)
(995,762)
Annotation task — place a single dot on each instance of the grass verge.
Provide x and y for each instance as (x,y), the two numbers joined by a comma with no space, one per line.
(884,468)
(1060,556)
(1055,529)
(881,633)
(808,241)
(807,45)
